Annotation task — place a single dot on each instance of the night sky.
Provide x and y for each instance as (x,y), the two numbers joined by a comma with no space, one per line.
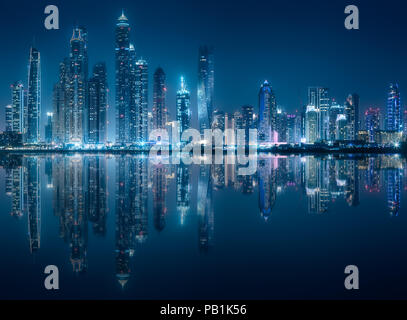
(293,44)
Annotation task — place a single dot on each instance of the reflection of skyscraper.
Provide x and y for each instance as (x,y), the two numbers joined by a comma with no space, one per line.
(394,186)
(139,173)
(267,113)
(352,184)
(267,188)
(96,193)
(160,112)
(97,109)
(159,196)
(34,97)
(124,221)
(32,197)
(183,192)
(206,81)
(205,209)
(15,190)
(372,183)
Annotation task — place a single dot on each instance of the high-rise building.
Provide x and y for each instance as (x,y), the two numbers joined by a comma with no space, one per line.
(281,125)
(97,109)
(141,101)
(17,107)
(183,107)
(293,131)
(34,97)
(319,97)
(248,121)
(160,113)
(206,82)
(122,79)
(9,118)
(60,104)
(394,109)
(267,113)
(48,128)
(77,87)
(352,116)
(405,122)
(372,122)
(218,120)
(341,127)
(311,124)
(334,111)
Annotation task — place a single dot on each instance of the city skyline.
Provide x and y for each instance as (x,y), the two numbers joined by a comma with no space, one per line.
(191,77)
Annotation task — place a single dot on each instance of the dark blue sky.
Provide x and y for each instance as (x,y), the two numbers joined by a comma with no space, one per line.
(293,44)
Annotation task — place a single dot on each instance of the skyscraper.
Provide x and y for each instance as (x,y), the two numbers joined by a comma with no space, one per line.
(248,121)
(319,97)
(352,116)
(122,79)
(267,113)
(334,111)
(183,107)
(160,113)
(372,122)
(34,97)
(17,107)
(9,118)
(142,100)
(311,124)
(77,87)
(394,109)
(206,82)
(60,104)
(98,96)
(48,128)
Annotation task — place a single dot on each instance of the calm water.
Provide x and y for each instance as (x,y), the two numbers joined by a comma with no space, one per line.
(123,227)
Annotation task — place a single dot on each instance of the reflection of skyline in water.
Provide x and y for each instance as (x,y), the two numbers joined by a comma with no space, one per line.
(80,195)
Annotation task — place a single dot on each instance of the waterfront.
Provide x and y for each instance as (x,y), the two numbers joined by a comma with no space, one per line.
(122,227)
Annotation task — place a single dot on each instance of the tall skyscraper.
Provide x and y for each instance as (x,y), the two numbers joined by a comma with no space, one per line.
(98,100)
(394,109)
(248,121)
(141,101)
(311,124)
(183,107)
(77,84)
(48,128)
(160,112)
(319,97)
(341,127)
(267,113)
(122,79)
(372,122)
(34,97)
(9,118)
(352,116)
(60,104)
(335,110)
(17,107)
(206,82)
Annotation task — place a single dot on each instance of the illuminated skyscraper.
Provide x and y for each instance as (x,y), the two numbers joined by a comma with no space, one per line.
(183,107)
(394,121)
(9,118)
(98,101)
(34,97)
(77,87)
(122,79)
(335,110)
(60,104)
(206,82)
(218,120)
(311,124)
(141,101)
(17,107)
(372,122)
(248,121)
(160,112)
(48,128)
(267,114)
(341,127)
(352,116)
(319,97)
